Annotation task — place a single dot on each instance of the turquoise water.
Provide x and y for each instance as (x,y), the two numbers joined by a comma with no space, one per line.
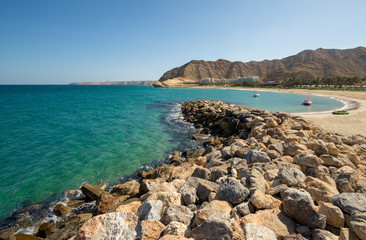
(55,137)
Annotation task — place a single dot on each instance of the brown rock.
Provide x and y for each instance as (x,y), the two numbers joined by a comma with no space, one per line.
(61,210)
(262,201)
(131,188)
(214,208)
(319,190)
(173,237)
(151,230)
(26,237)
(45,230)
(166,198)
(91,192)
(333,213)
(108,203)
(129,207)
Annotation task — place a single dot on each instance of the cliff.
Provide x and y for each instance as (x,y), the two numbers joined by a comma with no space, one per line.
(306,64)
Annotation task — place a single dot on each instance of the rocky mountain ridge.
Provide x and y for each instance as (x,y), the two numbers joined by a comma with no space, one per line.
(306,64)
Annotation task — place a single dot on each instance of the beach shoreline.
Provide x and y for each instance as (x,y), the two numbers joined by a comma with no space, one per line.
(346,125)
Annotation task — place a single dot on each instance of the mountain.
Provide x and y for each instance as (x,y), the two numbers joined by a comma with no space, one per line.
(136,83)
(306,64)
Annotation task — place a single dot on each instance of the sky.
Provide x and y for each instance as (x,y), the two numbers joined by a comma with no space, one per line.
(59,42)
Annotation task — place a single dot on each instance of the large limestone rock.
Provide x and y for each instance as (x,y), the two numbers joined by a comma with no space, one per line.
(214,208)
(151,230)
(254,231)
(107,203)
(350,202)
(131,188)
(166,198)
(177,213)
(319,190)
(333,214)
(150,210)
(176,228)
(115,225)
(300,206)
(232,191)
(214,228)
(129,207)
(273,219)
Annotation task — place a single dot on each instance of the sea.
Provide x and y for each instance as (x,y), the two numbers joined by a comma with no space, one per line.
(55,137)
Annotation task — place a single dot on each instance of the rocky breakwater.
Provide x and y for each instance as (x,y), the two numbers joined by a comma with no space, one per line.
(258,175)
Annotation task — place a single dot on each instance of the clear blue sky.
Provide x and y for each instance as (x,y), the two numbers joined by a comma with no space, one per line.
(58,42)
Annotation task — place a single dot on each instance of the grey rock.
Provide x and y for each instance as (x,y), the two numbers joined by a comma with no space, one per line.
(244,209)
(291,176)
(150,210)
(254,231)
(189,196)
(300,206)
(303,230)
(349,202)
(277,189)
(218,173)
(278,147)
(309,160)
(331,161)
(214,228)
(202,172)
(358,223)
(257,156)
(177,213)
(319,234)
(232,191)
(257,181)
(193,182)
(203,192)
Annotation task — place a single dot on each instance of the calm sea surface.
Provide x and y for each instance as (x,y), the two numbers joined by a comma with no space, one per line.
(55,137)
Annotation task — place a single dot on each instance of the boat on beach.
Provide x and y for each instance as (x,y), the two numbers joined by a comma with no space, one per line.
(340,112)
(256,95)
(307,102)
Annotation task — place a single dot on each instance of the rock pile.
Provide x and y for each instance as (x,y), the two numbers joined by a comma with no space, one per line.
(259,175)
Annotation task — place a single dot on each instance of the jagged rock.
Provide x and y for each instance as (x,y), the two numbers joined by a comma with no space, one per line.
(309,160)
(91,192)
(204,191)
(214,228)
(214,208)
(291,176)
(350,202)
(257,181)
(148,185)
(218,173)
(108,203)
(115,225)
(300,206)
(162,172)
(151,230)
(70,227)
(150,210)
(273,219)
(257,156)
(131,188)
(329,160)
(319,190)
(354,158)
(61,210)
(333,214)
(202,172)
(182,171)
(193,182)
(262,201)
(167,198)
(176,228)
(277,189)
(243,209)
(129,207)
(46,229)
(232,191)
(295,148)
(256,232)
(238,231)
(189,196)
(358,223)
(319,234)
(177,213)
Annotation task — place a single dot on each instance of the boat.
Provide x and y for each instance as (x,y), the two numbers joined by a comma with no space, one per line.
(340,112)
(307,101)
(256,95)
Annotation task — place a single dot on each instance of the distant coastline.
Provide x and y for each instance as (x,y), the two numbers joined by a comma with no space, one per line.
(135,83)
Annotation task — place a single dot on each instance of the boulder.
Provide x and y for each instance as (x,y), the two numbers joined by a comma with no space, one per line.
(264,201)
(273,219)
(254,231)
(333,214)
(291,176)
(46,229)
(193,182)
(358,223)
(350,202)
(176,228)
(150,230)
(243,209)
(319,190)
(129,207)
(300,206)
(202,172)
(294,148)
(131,188)
(257,181)
(91,192)
(232,191)
(214,208)
(329,160)
(189,195)
(115,225)
(346,234)
(177,213)
(108,203)
(167,198)
(319,234)
(162,172)
(308,160)
(61,210)
(203,192)
(257,156)
(150,210)
(214,228)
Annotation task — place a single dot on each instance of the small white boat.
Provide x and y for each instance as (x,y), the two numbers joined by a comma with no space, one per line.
(307,101)
(256,95)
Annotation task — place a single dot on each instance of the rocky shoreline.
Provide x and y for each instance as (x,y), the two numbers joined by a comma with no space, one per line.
(258,175)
